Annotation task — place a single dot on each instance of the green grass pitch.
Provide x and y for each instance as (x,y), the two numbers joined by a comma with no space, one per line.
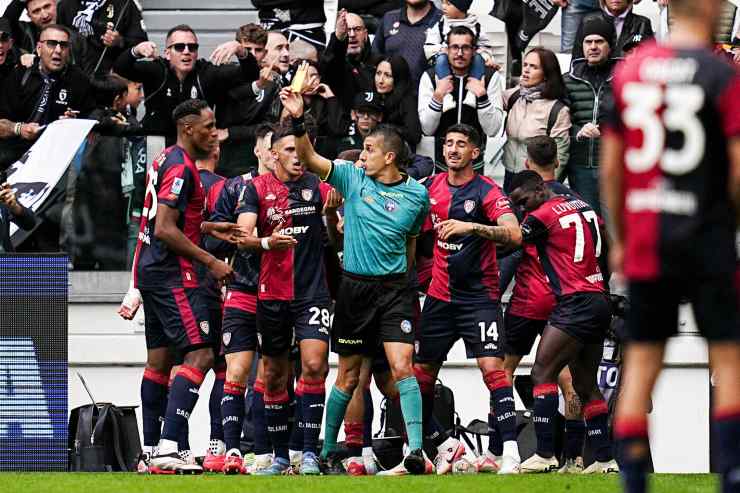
(211,483)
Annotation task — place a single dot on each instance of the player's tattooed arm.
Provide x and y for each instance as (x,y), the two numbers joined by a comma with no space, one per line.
(276,241)
(7,129)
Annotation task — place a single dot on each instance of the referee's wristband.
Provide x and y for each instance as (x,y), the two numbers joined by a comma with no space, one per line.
(299,126)
(265,243)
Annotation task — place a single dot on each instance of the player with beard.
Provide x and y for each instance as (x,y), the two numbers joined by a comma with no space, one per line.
(293,295)
(471,216)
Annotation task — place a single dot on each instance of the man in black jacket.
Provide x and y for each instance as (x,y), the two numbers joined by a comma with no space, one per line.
(297,19)
(12,211)
(108,28)
(588,86)
(348,65)
(371,11)
(180,76)
(626,24)
(34,97)
(8,55)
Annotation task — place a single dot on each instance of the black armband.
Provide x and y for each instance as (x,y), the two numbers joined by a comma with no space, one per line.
(299,126)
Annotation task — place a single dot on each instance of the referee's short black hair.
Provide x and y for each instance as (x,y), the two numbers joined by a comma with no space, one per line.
(526,180)
(191,107)
(393,142)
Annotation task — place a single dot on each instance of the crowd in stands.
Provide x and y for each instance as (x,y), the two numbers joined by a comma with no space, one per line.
(420,65)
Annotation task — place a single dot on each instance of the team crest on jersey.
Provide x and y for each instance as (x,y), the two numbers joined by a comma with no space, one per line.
(390,205)
(204,327)
(270,196)
(193,93)
(177,184)
(275,215)
(307,194)
(469,206)
(406,327)
(227,338)
(433,201)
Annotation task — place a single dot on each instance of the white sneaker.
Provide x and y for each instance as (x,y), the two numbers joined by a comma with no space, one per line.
(216,447)
(368,458)
(486,463)
(400,469)
(537,463)
(572,466)
(602,467)
(295,457)
(187,456)
(449,452)
(262,461)
(510,464)
(248,463)
(172,463)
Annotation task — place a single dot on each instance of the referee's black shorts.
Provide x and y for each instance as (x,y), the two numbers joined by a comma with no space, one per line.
(370,311)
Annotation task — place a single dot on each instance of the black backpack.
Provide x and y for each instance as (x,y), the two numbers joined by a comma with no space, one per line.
(103,437)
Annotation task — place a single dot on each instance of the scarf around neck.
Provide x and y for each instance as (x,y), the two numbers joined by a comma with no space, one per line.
(530,94)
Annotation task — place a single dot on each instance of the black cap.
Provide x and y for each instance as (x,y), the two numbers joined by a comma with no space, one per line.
(601,27)
(367,100)
(5,26)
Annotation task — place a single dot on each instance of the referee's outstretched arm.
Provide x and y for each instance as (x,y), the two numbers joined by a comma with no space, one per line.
(293,102)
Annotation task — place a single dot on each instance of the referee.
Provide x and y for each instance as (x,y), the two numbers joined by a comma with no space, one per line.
(384,212)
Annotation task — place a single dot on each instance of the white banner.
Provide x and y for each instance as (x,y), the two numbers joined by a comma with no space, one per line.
(34,175)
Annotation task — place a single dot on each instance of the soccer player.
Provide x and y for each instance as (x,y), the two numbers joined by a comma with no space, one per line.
(671,178)
(463,297)
(239,340)
(531,303)
(175,309)
(384,212)
(566,232)
(293,294)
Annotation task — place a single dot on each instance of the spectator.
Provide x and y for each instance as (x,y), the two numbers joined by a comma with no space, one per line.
(347,64)
(456,14)
(302,50)
(371,11)
(393,85)
(94,236)
(588,86)
(460,98)
(12,211)
(367,114)
(403,32)
(626,25)
(247,106)
(181,76)
(573,12)
(535,107)
(108,28)
(296,19)
(8,56)
(26,34)
(32,97)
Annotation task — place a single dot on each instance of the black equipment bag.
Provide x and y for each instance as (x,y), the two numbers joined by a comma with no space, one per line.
(103,437)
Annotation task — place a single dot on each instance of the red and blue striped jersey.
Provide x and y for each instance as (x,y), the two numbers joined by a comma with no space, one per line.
(464,268)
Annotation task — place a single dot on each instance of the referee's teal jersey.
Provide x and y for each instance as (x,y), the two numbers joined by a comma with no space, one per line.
(378,219)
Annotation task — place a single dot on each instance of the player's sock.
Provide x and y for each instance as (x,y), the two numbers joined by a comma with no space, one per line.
(262,443)
(495,444)
(182,400)
(276,415)
(575,431)
(632,437)
(153,405)
(232,410)
(312,404)
(502,402)
(295,413)
(183,441)
(433,432)
(367,419)
(336,407)
(408,390)
(545,407)
(596,414)
(214,404)
(353,438)
(727,429)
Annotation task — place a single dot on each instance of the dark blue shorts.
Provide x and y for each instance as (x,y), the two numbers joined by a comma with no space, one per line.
(177,317)
(520,334)
(583,316)
(443,323)
(239,331)
(281,323)
(653,309)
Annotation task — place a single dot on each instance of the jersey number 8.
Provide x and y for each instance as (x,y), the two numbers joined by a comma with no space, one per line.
(682,104)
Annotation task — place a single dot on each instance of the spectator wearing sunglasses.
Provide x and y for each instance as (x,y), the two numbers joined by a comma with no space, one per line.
(179,76)
(34,97)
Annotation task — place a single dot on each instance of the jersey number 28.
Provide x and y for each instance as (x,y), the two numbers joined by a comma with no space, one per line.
(682,105)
